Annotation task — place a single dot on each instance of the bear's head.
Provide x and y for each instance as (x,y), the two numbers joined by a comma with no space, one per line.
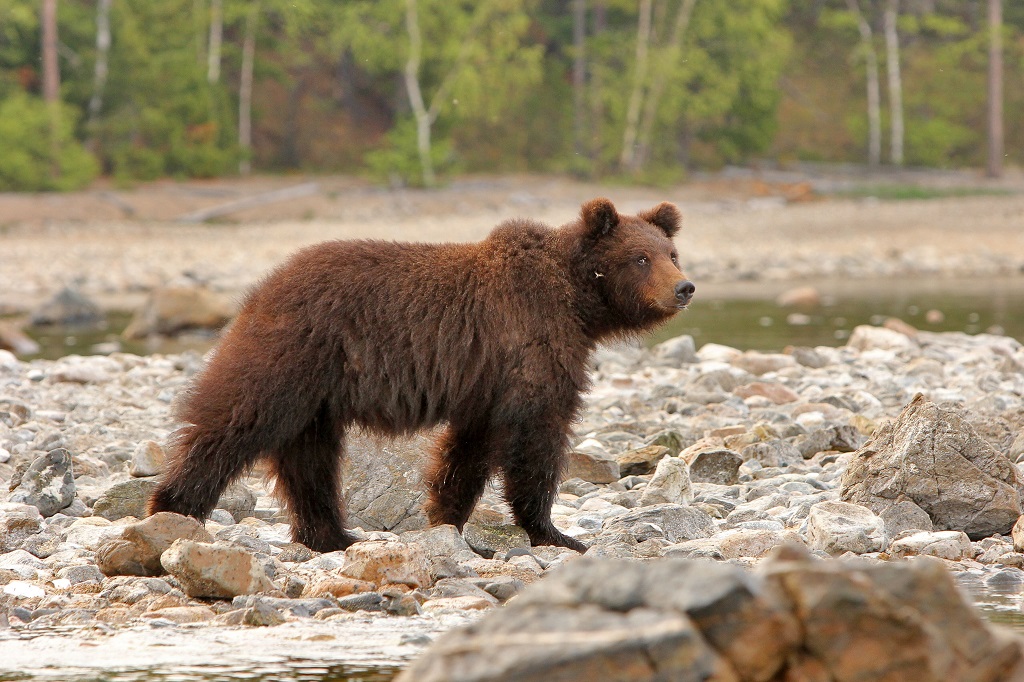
(633,265)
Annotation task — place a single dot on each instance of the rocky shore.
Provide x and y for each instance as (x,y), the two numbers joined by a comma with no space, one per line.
(899,444)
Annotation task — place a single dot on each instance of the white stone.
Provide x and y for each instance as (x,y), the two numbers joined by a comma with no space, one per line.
(717,352)
(839,527)
(953,545)
(670,483)
(24,589)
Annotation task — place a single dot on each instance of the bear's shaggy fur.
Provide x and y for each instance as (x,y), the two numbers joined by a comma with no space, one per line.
(490,338)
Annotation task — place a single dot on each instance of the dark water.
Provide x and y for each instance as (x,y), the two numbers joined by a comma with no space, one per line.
(747,317)
(743,315)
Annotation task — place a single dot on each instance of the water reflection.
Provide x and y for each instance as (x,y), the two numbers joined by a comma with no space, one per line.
(749,318)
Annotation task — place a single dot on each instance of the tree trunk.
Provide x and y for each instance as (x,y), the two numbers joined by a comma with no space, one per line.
(643,40)
(874,95)
(661,76)
(412,88)
(99,78)
(892,63)
(216,36)
(579,76)
(51,70)
(245,90)
(51,81)
(995,89)
(597,94)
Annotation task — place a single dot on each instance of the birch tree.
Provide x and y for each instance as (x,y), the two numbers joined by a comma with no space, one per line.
(665,65)
(892,65)
(643,42)
(867,50)
(245,89)
(579,76)
(995,89)
(100,69)
(456,60)
(216,38)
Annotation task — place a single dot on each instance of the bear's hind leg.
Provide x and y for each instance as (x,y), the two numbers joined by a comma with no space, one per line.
(202,464)
(309,483)
(459,468)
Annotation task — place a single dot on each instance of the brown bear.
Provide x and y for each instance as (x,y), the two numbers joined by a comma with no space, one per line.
(491,339)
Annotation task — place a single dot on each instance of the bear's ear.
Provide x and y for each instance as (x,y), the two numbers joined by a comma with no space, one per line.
(664,215)
(600,217)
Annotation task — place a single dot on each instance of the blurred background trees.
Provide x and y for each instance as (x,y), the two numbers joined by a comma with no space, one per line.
(410,90)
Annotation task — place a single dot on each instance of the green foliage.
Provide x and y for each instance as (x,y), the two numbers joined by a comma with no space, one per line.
(37,157)
(162,117)
(474,64)
(782,78)
(397,161)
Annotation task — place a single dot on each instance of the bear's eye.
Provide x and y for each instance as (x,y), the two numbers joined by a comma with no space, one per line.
(675,259)
(642,260)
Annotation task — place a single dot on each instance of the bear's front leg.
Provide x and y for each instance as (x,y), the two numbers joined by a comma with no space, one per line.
(532,468)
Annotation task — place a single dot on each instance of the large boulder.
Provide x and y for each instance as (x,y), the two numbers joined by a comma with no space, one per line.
(383,482)
(214,570)
(174,309)
(677,619)
(69,308)
(138,550)
(933,457)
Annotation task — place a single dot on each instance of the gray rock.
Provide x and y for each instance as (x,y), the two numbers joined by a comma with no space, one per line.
(952,545)
(675,352)
(365,601)
(212,570)
(838,527)
(773,453)
(383,484)
(641,460)
(486,539)
(174,309)
(670,483)
(673,522)
(48,484)
(904,516)
(125,499)
(262,614)
(238,500)
(577,486)
(85,573)
(719,465)
(591,467)
(68,308)
(18,522)
(138,550)
(934,458)
(910,615)
(443,547)
(617,621)
(147,459)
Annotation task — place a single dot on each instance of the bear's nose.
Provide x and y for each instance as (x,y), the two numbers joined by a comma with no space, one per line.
(684,290)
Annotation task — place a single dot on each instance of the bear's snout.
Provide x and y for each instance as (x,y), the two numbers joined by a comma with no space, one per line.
(684,291)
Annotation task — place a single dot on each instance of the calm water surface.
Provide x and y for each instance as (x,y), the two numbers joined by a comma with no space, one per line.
(746,316)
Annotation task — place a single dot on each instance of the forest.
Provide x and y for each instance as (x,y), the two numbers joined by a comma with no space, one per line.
(410,92)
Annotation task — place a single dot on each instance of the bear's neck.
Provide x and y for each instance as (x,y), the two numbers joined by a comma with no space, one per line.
(597,318)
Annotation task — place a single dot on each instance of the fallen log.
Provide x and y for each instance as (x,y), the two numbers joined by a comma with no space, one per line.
(273,196)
